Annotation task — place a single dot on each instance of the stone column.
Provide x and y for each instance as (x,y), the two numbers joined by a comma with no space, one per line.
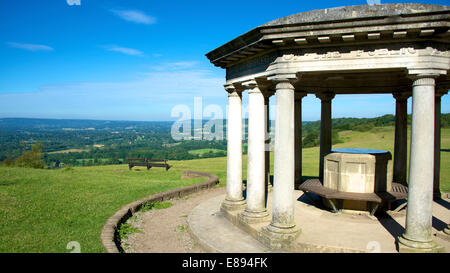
(401,143)
(267,96)
(418,236)
(325,128)
(437,145)
(298,136)
(282,229)
(234,199)
(255,210)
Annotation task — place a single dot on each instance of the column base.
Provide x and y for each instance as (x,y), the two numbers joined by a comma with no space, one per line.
(233,205)
(279,238)
(250,217)
(410,246)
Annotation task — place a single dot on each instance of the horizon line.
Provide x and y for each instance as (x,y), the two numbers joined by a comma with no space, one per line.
(119,120)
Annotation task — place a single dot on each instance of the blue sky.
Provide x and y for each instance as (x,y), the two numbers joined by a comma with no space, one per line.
(137,59)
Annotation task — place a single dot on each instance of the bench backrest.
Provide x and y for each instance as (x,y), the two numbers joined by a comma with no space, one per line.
(147,160)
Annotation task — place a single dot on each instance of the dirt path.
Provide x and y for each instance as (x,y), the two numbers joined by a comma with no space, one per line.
(165,230)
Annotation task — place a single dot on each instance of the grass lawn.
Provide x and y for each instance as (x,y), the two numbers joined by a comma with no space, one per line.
(200,152)
(43,210)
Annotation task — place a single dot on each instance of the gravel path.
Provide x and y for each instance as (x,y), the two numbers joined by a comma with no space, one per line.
(165,230)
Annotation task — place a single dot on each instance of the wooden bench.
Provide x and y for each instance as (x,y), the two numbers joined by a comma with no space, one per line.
(397,192)
(149,163)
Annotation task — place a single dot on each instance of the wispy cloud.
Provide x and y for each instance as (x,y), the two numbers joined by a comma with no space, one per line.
(73,2)
(135,16)
(125,50)
(153,94)
(175,66)
(30,47)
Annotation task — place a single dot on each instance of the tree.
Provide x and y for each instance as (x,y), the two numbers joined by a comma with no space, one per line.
(8,162)
(311,139)
(32,158)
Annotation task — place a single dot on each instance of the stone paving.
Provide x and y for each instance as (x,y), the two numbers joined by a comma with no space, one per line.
(322,231)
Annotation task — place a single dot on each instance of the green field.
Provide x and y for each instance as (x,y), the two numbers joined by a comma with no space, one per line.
(69,151)
(43,210)
(200,152)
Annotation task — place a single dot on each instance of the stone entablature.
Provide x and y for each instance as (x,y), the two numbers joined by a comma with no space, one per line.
(408,59)
(364,59)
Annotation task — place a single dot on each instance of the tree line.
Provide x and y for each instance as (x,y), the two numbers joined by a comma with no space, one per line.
(38,144)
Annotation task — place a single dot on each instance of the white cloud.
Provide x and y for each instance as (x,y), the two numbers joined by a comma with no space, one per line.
(125,50)
(30,47)
(135,16)
(74,2)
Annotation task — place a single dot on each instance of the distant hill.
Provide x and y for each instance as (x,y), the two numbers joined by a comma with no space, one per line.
(97,142)
(87,124)
(76,124)
(365,124)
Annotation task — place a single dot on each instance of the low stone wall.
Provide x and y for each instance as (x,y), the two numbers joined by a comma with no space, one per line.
(109,234)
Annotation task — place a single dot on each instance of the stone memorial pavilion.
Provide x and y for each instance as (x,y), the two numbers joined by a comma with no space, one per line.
(397,49)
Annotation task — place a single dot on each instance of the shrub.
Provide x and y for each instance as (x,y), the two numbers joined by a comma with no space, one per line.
(31,158)
(311,139)
(8,162)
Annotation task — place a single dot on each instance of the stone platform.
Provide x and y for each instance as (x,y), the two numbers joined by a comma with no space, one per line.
(321,230)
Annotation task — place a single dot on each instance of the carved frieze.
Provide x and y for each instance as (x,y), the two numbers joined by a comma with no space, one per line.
(252,66)
(294,61)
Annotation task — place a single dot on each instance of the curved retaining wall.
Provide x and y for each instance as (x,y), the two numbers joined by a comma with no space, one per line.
(109,234)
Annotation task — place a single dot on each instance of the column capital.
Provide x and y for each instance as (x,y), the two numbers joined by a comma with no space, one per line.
(426,73)
(253,86)
(401,95)
(250,84)
(234,87)
(229,87)
(326,96)
(424,81)
(232,90)
(283,79)
(424,78)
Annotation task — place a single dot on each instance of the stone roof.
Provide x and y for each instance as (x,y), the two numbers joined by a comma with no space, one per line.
(341,25)
(355,12)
